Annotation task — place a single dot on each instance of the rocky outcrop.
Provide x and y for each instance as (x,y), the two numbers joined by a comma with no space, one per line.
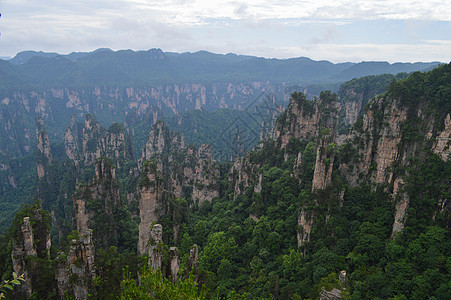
(150,203)
(402,204)
(72,137)
(334,294)
(325,146)
(310,123)
(380,142)
(22,250)
(322,176)
(32,240)
(245,174)
(354,95)
(352,110)
(378,146)
(175,263)
(442,145)
(154,247)
(76,273)
(316,121)
(43,156)
(62,274)
(85,144)
(94,204)
(206,176)
(191,174)
(301,120)
(56,105)
(392,131)
(305,223)
(193,261)
(162,140)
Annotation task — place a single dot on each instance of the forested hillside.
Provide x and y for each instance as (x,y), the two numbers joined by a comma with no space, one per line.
(229,101)
(348,197)
(138,88)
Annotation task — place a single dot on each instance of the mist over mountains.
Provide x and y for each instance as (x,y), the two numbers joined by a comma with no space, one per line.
(138,68)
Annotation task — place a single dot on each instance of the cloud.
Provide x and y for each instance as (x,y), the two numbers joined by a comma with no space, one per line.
(329,33)
(259,27)
(427,52)
(240,10)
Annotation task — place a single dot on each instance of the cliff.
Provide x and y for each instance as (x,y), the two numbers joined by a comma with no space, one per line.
(171,170)
(396,130)
(130,104)
(303,205)
(389,139)
(355,94)
(96,204)
(151,205)
(43,155)
(205,177)
(84,145)
(76,271)
(31,247)
(191,174)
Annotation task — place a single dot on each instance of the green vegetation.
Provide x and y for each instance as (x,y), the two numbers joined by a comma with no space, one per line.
(152,286)
(8,285)
(276,238)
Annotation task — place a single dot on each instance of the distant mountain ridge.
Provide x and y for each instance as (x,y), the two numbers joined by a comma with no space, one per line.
(141,68)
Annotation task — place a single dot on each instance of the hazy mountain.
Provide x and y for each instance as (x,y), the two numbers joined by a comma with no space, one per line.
(127,67)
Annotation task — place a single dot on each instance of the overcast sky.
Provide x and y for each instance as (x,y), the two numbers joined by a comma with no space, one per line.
(338,31)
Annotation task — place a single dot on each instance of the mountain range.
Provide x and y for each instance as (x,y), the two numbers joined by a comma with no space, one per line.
(141,68)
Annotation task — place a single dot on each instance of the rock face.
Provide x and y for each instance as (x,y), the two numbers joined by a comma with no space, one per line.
(314,124)
(380,142)
(33,240)
(311,121)
(305,222)
(442,145)
(124,103)
(150,203)
(191,175)
(390,133)
(322,177)
(193,261)
(354,95)
(94,204)
(385,135)
(187,173)
(206,176)
(22,250)
(81,263)
(161,140)
(402,205)
(75,274)
(84,145)
(43,156)
(154,246)
(300,121)
(244,174)
(380,150)
(334,294)
(175,263)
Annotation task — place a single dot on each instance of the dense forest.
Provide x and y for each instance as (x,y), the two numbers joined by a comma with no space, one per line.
(346,198)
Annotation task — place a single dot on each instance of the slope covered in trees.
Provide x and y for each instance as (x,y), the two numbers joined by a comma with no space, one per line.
(344,198)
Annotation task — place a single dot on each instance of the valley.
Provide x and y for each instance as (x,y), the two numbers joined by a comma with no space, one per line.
(231,182)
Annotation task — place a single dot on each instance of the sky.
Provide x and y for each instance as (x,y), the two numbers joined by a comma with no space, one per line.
(337,31)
